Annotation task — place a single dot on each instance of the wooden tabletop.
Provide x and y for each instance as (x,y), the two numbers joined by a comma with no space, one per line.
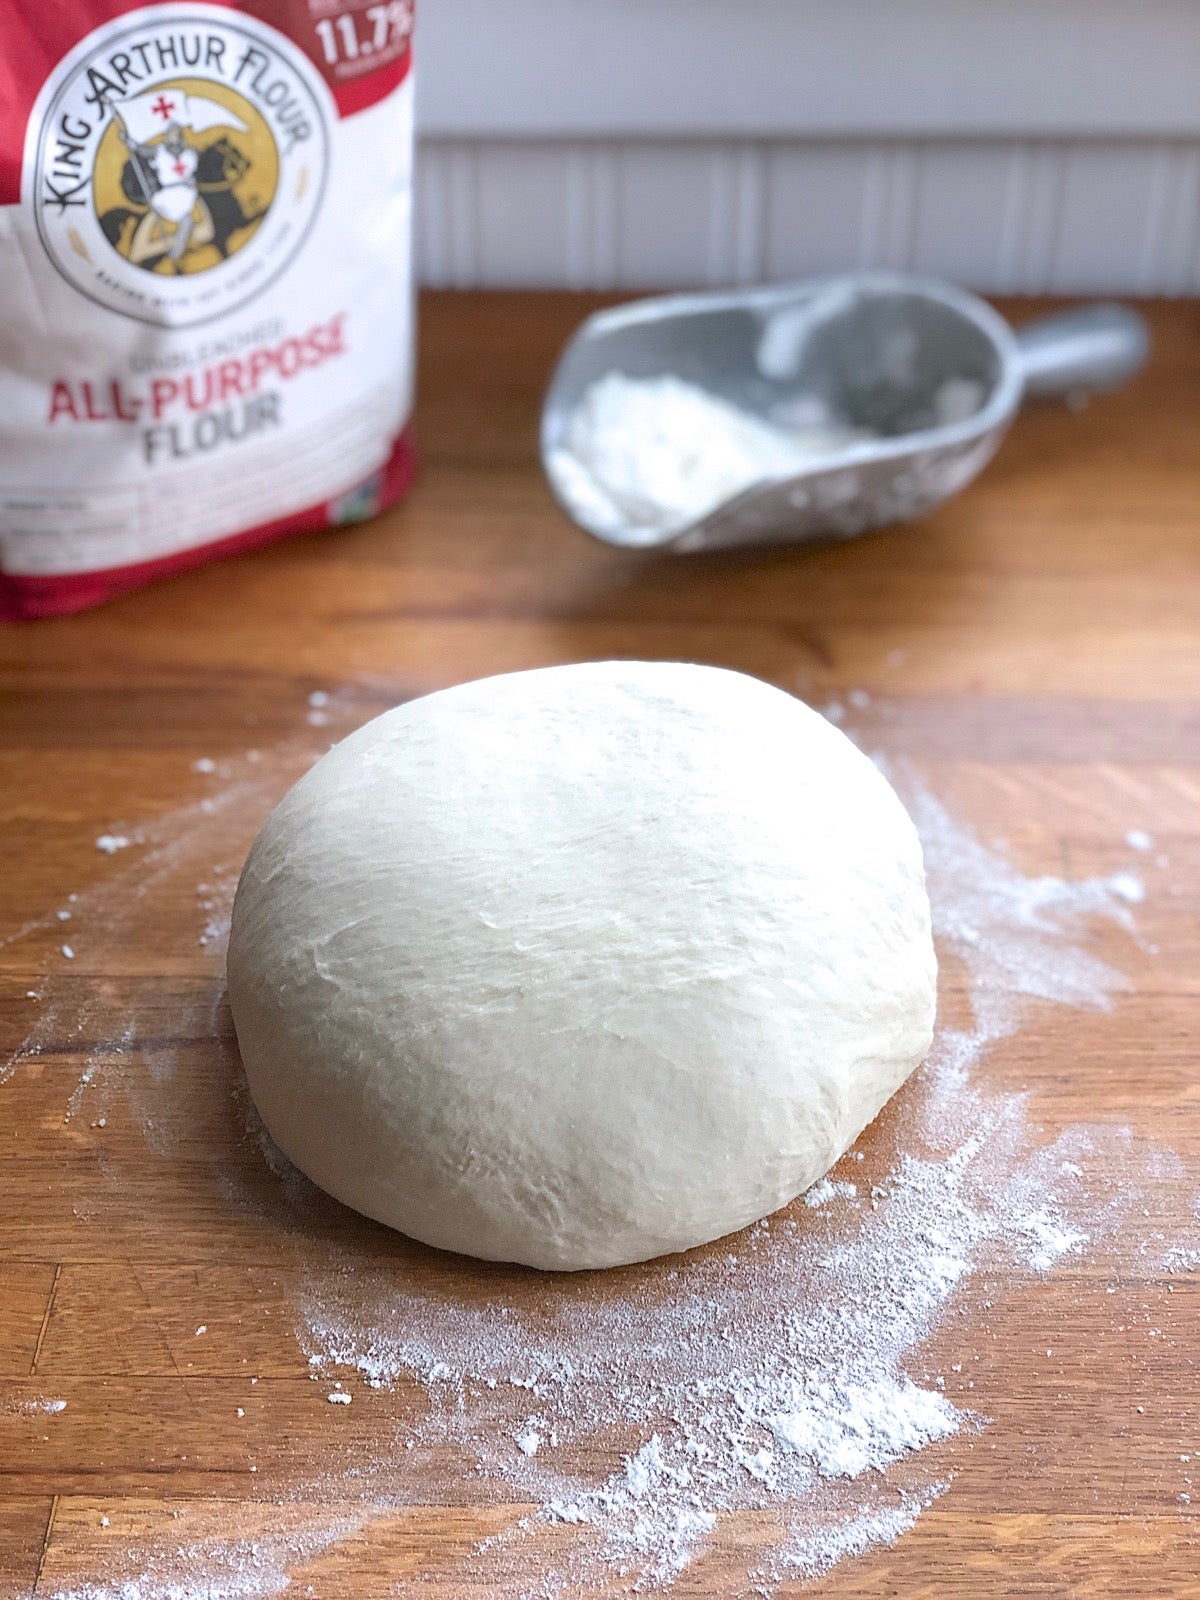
(1032,650)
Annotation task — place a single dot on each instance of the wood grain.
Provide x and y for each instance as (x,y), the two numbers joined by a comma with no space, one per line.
(1033,649)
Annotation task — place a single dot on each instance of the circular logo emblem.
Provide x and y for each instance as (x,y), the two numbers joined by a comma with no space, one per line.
(179,164)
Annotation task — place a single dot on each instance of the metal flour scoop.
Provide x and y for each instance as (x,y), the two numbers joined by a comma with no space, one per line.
(922,378)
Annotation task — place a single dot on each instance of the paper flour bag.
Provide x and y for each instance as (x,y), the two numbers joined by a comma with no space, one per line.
(206,329)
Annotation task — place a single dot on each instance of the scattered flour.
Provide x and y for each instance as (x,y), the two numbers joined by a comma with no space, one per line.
(820,1549)
(1185,1256)
(110,843)
(37,1407)
(1022,940)
(828,1189)
(1127,886)
(214,1568)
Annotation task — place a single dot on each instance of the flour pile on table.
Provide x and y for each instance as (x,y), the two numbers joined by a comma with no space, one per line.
(789,1371)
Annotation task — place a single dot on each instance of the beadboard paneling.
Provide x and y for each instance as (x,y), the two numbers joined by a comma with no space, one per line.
(1018,215)
(965,213)
(815,203)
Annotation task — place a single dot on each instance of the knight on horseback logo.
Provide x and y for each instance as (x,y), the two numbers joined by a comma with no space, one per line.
(195,178)
(179,163)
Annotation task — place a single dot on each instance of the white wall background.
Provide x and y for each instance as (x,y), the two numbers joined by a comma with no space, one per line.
(1015,145)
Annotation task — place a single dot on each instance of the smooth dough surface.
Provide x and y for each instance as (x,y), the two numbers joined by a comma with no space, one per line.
(579,966)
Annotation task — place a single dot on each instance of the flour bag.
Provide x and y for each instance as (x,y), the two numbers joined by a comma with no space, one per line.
(206,329)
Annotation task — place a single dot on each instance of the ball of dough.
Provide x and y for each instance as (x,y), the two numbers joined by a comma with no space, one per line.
(579,966)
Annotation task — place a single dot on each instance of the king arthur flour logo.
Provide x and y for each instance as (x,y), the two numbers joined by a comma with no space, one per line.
(179,163)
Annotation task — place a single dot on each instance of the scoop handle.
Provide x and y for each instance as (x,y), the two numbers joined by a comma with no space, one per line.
(1096,347)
